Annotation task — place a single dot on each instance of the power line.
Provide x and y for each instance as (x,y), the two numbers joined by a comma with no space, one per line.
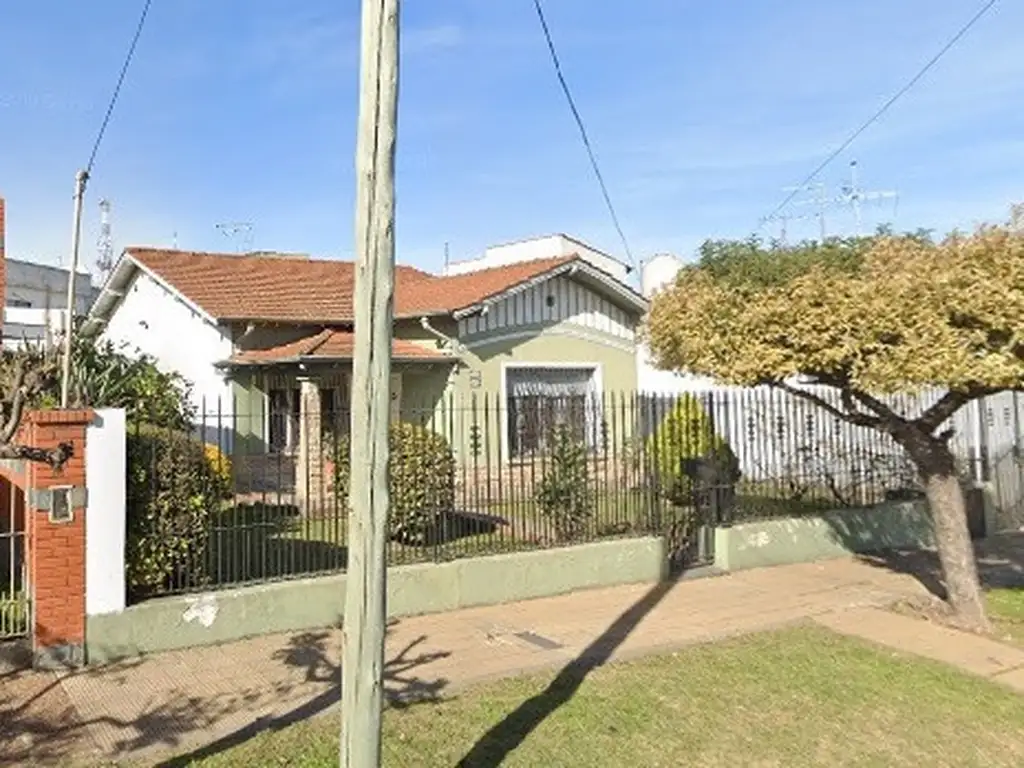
(583,131)
(117,88)
(885,107)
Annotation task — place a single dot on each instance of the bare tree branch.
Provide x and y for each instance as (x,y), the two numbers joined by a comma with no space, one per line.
(54,457)
(854,417)
(949,404)
(16,398)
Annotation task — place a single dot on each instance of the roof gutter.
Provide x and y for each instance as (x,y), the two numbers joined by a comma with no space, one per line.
(305,361)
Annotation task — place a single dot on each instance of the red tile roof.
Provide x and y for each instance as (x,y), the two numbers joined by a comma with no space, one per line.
(305,290)
(329,344)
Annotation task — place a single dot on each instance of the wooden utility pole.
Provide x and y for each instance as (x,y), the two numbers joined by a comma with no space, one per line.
(362,671)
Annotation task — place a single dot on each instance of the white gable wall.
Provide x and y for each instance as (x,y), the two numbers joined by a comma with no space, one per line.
(539,248)
(155,321)
(571,303)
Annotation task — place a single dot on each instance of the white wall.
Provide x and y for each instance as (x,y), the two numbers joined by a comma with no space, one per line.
(156,322)
(105,482)
(35,301)
(656,274)
(540,248)
(43,286)
(573,303)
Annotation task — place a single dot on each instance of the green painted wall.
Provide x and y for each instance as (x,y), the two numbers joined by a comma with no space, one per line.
(452,398)
(479,380)
(217,617)
(250,405)
(840,533)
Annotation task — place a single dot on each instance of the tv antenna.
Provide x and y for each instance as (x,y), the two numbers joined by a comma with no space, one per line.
(240,232)
(104,244)
(851,195)
(819,200)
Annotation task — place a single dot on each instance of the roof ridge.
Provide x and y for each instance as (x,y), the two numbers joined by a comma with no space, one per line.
(554,260)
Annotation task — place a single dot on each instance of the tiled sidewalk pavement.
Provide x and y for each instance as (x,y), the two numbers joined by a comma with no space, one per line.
(179,701)
(978,655)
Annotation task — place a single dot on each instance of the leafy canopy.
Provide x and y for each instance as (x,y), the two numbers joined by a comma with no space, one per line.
(882,314)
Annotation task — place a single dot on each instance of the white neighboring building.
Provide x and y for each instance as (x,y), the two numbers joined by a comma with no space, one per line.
(657,273)
(551,246)
(35,301)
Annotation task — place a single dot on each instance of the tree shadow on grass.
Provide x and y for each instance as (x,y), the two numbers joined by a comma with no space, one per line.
(501,740)
(49,719)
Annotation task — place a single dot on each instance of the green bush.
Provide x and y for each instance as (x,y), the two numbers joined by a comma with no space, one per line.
(687,456)
(421,480)
(174,494)
(564,493)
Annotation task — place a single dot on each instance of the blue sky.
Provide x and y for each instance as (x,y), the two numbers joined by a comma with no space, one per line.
(699,111)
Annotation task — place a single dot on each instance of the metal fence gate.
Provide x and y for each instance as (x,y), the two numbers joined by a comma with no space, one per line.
(14,591)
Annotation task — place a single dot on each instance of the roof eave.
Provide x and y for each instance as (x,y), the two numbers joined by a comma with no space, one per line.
(629,296)
(307,359)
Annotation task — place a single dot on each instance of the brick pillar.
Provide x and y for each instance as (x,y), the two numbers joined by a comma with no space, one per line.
(309,472)
(55,503)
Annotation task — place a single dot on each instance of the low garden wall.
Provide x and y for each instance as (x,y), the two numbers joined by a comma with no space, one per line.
(215,617)
(839,533)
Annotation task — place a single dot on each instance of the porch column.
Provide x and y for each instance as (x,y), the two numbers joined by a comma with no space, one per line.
(309,472)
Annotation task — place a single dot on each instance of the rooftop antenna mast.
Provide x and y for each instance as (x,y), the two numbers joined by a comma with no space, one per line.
(855,197)
(240,232)
(105,243)
(818,199)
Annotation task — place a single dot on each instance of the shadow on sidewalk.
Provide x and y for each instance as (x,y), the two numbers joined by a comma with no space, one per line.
(1000,562)
(311,652)
(40,724)
(495,745)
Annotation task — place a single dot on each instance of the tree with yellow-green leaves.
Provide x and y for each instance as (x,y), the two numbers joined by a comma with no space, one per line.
(867,317)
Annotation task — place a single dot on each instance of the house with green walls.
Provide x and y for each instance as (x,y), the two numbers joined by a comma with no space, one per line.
(483,353)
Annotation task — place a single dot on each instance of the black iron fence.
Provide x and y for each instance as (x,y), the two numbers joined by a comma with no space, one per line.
(14,594)
(252,497)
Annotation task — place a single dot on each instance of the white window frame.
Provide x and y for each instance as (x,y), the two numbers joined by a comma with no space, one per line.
(597,368)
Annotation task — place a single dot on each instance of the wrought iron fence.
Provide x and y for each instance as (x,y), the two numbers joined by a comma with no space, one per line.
(14,601)
(253,497)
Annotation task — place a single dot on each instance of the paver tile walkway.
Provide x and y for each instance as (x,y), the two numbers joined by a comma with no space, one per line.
(973,653)
(178,701)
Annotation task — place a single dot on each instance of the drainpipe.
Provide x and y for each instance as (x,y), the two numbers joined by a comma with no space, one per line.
(447,340)
(248,330)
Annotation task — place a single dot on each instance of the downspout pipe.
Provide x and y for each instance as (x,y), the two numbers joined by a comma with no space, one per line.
(457,348)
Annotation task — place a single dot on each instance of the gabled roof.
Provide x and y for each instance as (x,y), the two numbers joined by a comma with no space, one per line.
(328,345)
(278,288)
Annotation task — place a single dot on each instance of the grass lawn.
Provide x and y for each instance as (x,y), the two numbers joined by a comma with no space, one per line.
(1006,609)
(13,614)
(265,541)
(797,697)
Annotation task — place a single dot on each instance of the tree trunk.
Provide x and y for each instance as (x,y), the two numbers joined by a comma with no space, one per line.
(952,537)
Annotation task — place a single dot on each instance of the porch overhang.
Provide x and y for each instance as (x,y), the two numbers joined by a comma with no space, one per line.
(329,347)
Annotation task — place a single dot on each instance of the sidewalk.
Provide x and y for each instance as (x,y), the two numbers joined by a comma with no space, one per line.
(176,702)
(972,653)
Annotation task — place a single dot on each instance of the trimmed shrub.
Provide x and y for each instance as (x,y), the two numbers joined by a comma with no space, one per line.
(564,493)
(174,494)
(421,480)
(688,458)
